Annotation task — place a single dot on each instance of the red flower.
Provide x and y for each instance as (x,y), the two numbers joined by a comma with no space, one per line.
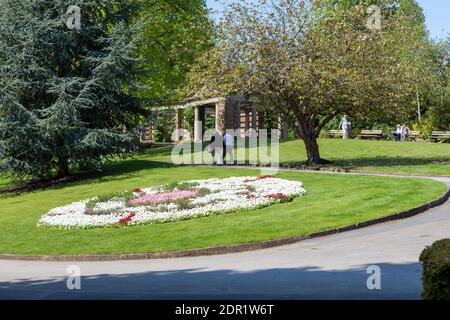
(137,190)
(259,178)
(127,219)
(278,196)
(265,177)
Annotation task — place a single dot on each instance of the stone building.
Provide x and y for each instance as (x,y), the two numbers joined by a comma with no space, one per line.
(231,113)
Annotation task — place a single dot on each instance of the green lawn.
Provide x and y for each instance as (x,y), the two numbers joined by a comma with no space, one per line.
(363,155)
(332,201)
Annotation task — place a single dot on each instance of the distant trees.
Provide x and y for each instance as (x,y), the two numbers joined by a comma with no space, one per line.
(176,33)
(435,95)
(314,60)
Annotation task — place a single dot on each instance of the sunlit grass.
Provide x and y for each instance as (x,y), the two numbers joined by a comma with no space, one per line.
(331,201)
(363,155)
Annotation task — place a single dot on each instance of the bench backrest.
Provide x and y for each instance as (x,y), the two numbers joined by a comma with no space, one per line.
(372,132)
(440,133)
(336,131)
(414,133)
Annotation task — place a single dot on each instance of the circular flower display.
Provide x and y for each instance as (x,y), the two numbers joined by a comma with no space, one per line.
(174,202)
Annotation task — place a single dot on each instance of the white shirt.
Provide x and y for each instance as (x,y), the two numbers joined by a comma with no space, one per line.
(228,139)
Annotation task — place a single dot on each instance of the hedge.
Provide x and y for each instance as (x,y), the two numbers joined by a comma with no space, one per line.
(436,271)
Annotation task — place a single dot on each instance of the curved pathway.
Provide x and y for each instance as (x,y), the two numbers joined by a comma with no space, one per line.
(333,267)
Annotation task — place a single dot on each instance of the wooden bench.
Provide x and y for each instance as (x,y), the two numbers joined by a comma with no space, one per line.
(371,134)
(413,135)
(336,133)
(440,135)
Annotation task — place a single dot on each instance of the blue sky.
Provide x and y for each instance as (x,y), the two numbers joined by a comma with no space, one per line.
(438,17)
(436,11)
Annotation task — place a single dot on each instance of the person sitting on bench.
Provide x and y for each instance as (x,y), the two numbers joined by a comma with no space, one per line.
(397,135)
(405,132)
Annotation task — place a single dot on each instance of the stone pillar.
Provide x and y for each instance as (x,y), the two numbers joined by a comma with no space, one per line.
(198,123)
(247,119)
(179,124)
(260,121)
(237,116)
(253,123)
(229,115)
(220,116)
(150,132)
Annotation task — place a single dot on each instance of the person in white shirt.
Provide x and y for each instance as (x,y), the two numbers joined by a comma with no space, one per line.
(397,133)
(228,140)
(344,126)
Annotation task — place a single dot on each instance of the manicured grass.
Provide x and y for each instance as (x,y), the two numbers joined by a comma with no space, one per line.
(332,201)
(363,155)
(381,156)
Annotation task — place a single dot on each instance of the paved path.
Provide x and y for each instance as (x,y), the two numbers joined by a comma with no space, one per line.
(332,267)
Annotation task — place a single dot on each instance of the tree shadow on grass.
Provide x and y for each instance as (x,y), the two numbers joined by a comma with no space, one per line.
(121,169)
(398,281)
(381,161)
(116,171)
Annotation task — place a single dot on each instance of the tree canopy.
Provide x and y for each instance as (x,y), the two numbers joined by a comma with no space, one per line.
(314,60)
(176,33)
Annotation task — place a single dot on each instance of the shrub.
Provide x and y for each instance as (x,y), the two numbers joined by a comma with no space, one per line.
(386,128)
(436,271)
(425,127)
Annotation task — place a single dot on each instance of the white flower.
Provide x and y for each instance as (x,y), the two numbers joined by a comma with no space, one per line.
(225,195)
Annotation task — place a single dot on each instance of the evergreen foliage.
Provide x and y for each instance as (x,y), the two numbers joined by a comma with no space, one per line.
(66,95)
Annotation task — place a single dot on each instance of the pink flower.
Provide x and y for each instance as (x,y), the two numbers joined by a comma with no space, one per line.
(165,196)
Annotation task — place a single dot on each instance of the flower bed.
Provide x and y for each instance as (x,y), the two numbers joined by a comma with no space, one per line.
(174,202)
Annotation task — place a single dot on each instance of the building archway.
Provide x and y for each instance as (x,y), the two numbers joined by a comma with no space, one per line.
(231,113)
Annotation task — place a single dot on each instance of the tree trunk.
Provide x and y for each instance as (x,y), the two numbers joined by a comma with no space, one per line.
(312,150)
(419,113)
(63,168)
(308,131)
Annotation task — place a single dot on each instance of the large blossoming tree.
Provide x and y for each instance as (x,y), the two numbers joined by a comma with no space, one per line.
(311,61)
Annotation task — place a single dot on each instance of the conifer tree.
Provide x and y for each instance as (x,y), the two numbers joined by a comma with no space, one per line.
(66,90)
